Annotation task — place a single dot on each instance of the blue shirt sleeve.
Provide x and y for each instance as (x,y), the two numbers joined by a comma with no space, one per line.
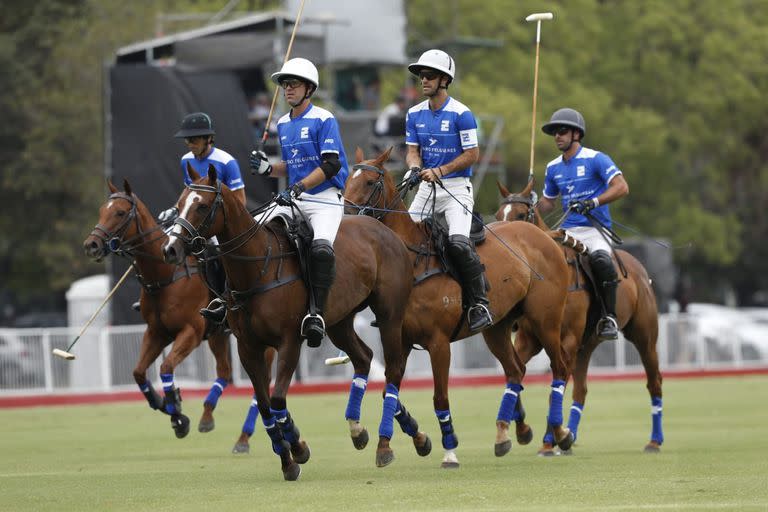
(410,130)
(232,177)
(550,187)
(187,179)
(605,167)
(330,139)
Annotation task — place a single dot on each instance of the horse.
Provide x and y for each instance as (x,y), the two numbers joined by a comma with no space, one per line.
(268,299)
(635,306)
(528,282)
(171,297)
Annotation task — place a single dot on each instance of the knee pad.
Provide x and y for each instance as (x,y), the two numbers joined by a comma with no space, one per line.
(322,251)
(462,253)
(602,265)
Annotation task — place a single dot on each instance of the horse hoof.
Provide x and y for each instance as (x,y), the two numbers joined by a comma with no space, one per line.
(426,448)
(569,451)
(300,452)
(180,424)
(449,465)
(292,472)
(501,449)
(241,448)
(566,442)
(361,441)
(652,448)
(526,437)
(384,458)
(206,426)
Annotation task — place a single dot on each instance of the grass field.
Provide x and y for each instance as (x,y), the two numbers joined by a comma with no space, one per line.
(125,457)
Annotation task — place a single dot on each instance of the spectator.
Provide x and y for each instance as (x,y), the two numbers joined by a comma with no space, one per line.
(391,120)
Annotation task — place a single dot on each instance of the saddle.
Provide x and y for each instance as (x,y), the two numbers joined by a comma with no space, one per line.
(437,230)
(300,235)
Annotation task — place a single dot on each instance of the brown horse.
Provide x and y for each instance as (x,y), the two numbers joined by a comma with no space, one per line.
(171,297)
(635,306)
(528,282)
(268,300)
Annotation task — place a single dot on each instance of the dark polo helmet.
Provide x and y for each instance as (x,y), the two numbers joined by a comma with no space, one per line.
(565,117)
(195,124)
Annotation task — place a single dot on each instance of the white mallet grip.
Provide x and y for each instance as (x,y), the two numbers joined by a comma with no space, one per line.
(538,16)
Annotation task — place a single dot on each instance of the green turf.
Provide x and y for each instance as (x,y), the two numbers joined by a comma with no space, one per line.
(125,457)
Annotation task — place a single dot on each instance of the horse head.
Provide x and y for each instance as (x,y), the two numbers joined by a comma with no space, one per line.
(370,189)
(119,229)
(201,216)
(520,206)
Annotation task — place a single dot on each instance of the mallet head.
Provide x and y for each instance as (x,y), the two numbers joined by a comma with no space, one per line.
(539,16)
(63,354)
(335,361)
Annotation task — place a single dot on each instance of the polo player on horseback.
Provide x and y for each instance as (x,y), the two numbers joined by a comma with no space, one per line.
(586,180)
(441,134)
(314,160)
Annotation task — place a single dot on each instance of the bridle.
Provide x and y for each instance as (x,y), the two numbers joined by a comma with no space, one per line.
(530,202)
(112,241)
(371,206)
(196,242)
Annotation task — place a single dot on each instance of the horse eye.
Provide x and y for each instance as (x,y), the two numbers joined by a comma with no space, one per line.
(371,183)
(520,216)
(121,213)
(203,207)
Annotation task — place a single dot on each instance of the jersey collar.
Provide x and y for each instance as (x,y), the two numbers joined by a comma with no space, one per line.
(306,111)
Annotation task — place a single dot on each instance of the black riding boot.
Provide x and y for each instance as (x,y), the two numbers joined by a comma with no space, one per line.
(216,311)
(473,283)
(322,270)
(607,279)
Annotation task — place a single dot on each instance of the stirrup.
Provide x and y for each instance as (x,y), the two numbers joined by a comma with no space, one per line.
(607,328)
(482,318)
(216,311)
(313,329)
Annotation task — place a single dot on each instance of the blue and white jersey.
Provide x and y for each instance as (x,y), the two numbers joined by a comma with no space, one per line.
(227,170)
(304,139)
(442,135)
(584,176)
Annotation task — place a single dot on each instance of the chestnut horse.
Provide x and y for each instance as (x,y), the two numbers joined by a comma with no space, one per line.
(635,306)
(528,285)
(171,297)
(268,300)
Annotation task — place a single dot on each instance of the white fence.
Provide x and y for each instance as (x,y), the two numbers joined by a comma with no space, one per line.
(106,358)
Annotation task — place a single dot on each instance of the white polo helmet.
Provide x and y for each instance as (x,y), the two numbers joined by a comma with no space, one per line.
(434,59)
(300,68)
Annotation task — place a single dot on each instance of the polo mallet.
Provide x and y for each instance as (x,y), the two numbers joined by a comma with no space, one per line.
(537,17)
(265,135)
(335,361)
(66,354)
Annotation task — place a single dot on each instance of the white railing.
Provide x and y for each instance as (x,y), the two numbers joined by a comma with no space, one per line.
(106,358)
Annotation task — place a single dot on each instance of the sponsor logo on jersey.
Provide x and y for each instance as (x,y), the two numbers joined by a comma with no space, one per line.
(294,152)
(580,170)
(432,141)
(444,125)
(304,132)
(420,125)
(329,141)
(569,188)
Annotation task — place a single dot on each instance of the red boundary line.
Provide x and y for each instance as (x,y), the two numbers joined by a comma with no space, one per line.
(343,386)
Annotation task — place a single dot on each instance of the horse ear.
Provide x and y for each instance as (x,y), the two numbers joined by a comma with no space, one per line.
(192,173)
(211,173)
(529,187)
(127,187)
(359,157)
(502,189)
(111,186)
(383,157)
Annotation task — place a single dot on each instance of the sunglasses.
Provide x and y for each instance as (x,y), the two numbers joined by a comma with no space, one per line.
(291,83)
(194,139)
(562,130)
(429,75)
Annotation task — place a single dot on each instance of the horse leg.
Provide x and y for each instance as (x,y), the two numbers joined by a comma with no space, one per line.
(254,361)
(151,347)
(249,425)
(408,423)
(186,341)
(497,338)
(579,375)
(345,338)
(644,341)
(526,347)
(287,362)
(219,345)
(391,339)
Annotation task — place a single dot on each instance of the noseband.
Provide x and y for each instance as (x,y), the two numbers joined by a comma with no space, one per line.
(113,240)
(530,202)
(196,241)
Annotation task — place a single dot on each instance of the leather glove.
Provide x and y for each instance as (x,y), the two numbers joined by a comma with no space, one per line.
(168,215)
(287,196)
(414,177)
(259,163)
(584,206)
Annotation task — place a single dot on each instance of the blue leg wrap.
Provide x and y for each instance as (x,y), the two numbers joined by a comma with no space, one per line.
(250,419)
(274,433)
(216,390)
(450,441)
(407,423)
(171,405)
(575,417)
(386,428)
(356,392)
(656,433)
(556,403)
(287,426)
(153,399)
(509,402)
